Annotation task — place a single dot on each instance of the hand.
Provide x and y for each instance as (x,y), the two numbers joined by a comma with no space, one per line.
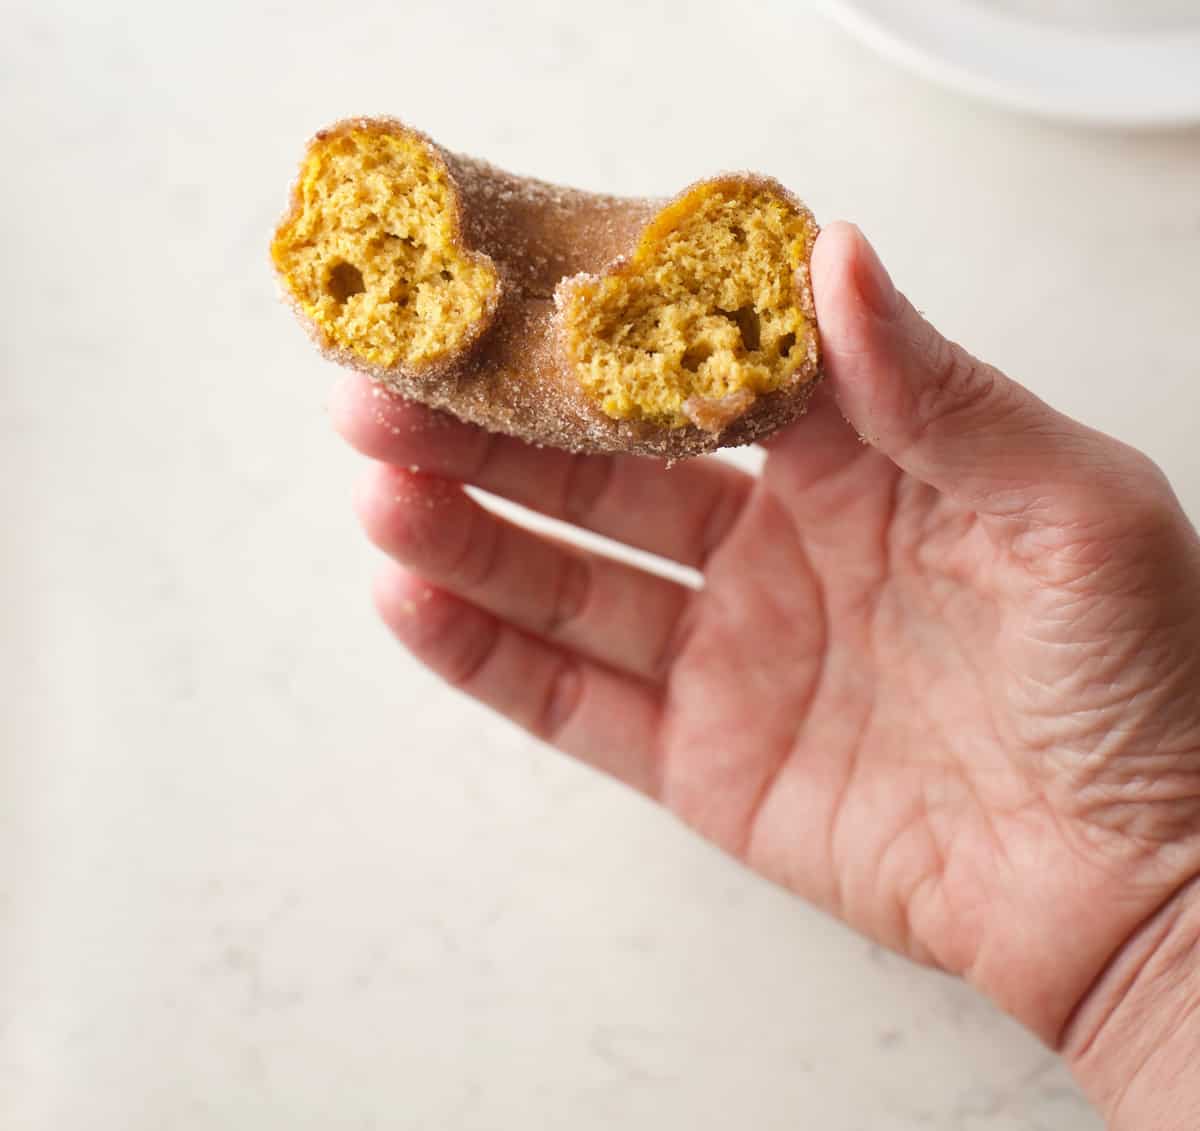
(944,683)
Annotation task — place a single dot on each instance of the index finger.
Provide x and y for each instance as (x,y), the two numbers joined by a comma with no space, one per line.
(682,513)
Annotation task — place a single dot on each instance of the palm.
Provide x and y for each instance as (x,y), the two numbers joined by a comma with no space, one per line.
(855,709)
(824,684)
(921,690)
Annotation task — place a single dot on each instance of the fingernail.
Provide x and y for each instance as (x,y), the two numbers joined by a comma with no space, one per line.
(874,283)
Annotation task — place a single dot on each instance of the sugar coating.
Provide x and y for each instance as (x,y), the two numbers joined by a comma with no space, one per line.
(517,368)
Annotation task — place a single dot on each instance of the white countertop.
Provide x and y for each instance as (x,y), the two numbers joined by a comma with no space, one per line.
(259,871)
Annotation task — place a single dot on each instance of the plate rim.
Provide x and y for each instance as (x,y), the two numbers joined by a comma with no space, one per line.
(863,20)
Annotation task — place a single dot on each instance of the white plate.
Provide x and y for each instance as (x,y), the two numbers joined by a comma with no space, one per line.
(1105,62)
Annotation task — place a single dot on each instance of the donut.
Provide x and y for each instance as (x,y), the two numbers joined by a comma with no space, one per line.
(580,321)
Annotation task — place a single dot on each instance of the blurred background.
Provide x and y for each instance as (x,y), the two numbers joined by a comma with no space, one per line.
(256,868)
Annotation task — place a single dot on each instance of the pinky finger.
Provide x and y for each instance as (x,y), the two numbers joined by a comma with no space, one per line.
(591,712)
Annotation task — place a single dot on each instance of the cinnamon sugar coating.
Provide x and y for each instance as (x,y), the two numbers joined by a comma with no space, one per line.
(586,322)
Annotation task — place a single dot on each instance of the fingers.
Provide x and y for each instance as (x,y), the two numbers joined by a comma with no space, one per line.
(602,717)
(940,414)
(619,615)
(681,513)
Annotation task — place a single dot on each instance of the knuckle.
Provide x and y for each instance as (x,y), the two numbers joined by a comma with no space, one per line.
(714,521)
(476,551)
(384,505)
(675,642)
(484,455)
(466,646)
(571,592)
(586,481)
(1133,491)
(564,691)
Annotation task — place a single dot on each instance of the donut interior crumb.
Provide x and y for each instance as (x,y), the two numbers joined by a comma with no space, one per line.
(370,250)
(704,317)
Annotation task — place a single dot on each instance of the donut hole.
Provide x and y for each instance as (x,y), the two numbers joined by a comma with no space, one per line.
(371,250)
(344,280)
(746,319)
(704,317)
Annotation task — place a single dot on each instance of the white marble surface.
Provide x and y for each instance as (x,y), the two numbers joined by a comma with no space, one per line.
(257,870)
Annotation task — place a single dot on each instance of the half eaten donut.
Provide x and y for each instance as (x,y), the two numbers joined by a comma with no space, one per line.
(586,322)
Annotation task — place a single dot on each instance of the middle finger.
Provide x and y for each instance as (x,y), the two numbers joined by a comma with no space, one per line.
(682,513)
(612,612)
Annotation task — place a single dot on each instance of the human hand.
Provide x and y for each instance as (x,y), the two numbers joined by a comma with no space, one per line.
(944,683)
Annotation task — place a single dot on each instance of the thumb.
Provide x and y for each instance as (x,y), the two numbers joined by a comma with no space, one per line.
(939,413)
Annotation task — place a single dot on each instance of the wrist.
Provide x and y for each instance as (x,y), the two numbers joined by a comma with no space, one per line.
(1134,1041)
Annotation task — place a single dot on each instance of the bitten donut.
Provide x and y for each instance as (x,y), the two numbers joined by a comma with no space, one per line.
(586,322)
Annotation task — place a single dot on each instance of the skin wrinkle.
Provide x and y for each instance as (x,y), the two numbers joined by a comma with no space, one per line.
(910,500)
(675,642)
(667,740)
(821,478)
(740,843)
(564,613)
(653,670)
(564,693)
(1121,1096)
(572,593)
(1093,577)
(688,622)
(465,672)
(837,810)
(777,765)
(953,385)
(1076,555)
(994,852)
(1112,862)
(960,387)
(886,549)
(1108,803)
(585,484)
(487,445)
(964,387)
(1150,704)
(1097,642)
(931,878)
(1092,680)
(1105,747)
(1149,935)
(476,560)
(953,530)
(484,558)
(1115,739)
(1155,809)
(936,724)
(909,552)
(718,520)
